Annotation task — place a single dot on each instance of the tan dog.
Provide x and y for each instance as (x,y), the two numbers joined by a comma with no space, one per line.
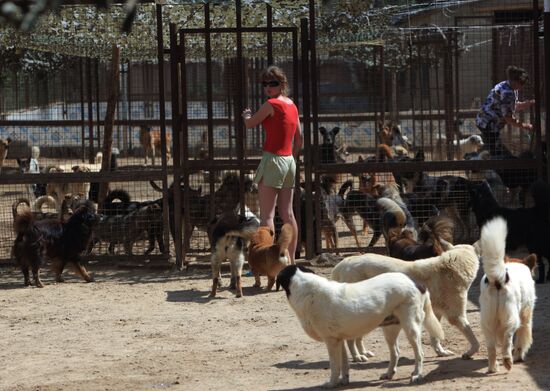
(151,142)
(266,257)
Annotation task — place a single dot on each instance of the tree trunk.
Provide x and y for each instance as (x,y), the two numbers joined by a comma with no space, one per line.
(109,123)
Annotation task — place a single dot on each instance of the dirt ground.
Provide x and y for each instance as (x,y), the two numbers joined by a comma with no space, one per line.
(146,329)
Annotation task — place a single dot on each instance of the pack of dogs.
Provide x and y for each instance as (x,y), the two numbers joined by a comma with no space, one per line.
(425,276)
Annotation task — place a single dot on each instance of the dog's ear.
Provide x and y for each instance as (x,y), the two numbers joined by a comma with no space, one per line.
(335,130)
(322,130)
(530,261)
(305,269)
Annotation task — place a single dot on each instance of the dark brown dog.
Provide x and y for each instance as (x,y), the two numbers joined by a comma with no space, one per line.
(60,242)
(433,240)
(266,257)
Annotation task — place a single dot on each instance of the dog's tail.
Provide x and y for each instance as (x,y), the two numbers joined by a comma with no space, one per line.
(285,237)
(118,194)
(492,245)
(99,158)
(23,222)
(433,327)
(344,188)
(439,231)
(44,200)
(393,217)
(18,202)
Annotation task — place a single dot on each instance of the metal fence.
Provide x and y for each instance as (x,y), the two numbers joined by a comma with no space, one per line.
(423,105)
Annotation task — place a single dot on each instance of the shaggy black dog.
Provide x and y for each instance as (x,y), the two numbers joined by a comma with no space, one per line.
(60,242)
(528,227)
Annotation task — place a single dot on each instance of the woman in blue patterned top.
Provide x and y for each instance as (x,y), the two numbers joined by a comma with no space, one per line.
(499,109)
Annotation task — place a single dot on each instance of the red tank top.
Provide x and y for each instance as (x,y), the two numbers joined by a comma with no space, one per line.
(280,128)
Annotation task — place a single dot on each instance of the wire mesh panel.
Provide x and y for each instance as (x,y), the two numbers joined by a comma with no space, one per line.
(54,122)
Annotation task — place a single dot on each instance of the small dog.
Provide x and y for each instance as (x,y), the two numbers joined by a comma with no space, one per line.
(266,257)
(4,146)
(229,235)
(390,134)
(507,299)
(332,312)
(151,142)
(463,147)
(434,238)
(448,277)
(327,148)
(60,242)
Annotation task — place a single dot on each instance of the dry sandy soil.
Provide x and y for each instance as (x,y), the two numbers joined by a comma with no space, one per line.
(143,329)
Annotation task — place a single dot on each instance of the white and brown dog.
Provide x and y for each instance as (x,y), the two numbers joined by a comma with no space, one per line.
(507,298)
(448,277)
(229,235)
(332,312)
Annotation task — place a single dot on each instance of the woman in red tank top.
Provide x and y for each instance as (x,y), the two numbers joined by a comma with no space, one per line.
(283,142)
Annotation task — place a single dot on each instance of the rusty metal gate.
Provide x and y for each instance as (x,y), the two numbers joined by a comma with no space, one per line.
(213,143)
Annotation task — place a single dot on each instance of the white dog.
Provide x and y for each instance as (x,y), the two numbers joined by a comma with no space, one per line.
(507,298)
(448,277)
(461,147)
(332,312)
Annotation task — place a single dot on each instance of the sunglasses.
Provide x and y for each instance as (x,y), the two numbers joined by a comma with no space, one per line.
(272,83)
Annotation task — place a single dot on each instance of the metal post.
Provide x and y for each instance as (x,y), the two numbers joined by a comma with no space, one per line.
(308,169)
(239,125)
(547,78)
(176,124)
(209,109)
(90,111)
(162,114)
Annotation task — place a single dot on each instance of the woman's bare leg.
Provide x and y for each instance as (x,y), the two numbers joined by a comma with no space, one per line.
(267,197)
(284,203)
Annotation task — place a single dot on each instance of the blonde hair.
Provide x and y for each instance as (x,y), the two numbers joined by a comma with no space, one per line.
(273,72)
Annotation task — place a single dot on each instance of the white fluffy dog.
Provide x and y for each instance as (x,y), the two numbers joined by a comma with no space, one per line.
(469,144)
(507,298)
(448,277)
(332,312)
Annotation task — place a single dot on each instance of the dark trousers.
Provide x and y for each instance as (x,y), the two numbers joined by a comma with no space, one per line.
(491,139)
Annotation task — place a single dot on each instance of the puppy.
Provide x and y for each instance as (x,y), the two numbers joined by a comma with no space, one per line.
(266,257)
(507,298)
(151,142)
(448,277)
(461,148)
(332,312)
(4,146)
(60,242)
(229,235)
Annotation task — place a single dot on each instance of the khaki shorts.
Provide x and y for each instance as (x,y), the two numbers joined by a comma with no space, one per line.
(276,171)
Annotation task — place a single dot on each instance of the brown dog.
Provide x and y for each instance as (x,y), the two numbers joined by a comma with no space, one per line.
(530,261)
(151,142)
(266,257)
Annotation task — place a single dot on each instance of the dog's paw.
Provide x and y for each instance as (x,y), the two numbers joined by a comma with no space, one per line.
(467,356)
(360,358)
(507,362)
(444,353)
(517,355)
(387,376)
(416,379)
(492,369)
(329,385)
